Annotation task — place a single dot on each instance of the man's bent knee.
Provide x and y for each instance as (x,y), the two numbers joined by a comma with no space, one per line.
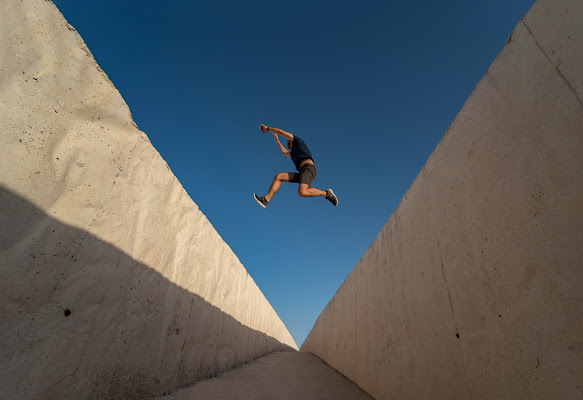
(280,177)
(303,192)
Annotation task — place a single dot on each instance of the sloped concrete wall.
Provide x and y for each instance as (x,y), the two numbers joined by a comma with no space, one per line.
(112,283)
(474,287)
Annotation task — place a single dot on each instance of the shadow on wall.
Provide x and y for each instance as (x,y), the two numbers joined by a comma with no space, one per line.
(81,318)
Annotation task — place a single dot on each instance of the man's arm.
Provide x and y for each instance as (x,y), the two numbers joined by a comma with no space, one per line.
(277,131)
(283,149)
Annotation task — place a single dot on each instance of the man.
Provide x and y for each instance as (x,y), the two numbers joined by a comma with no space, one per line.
(302,158)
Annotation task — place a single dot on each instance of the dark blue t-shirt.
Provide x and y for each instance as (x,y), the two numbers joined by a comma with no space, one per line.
(299,152)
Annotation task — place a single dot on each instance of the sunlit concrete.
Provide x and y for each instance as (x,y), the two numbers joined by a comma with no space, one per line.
(279,375)
(474,287)
(113,284)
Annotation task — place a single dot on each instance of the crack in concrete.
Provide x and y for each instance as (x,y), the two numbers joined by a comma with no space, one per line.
(447,284)
(355,324)
(181,364)
(557,70)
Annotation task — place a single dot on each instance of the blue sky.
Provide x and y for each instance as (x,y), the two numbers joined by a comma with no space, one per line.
(371,87)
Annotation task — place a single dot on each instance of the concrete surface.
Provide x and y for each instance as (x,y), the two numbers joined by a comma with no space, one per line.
(279,375)
(113,284)
(474,287)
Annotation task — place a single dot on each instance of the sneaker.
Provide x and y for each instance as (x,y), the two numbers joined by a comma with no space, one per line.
(331,197)
(261,200)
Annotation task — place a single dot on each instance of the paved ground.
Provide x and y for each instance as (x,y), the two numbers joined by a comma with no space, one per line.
(288,375)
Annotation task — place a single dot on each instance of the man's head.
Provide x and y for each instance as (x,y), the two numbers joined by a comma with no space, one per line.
(289,144)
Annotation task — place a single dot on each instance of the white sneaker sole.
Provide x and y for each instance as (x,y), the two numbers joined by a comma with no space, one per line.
(258,202)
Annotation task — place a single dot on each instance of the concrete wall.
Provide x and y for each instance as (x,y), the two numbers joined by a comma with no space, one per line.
(112,283)
(474,287)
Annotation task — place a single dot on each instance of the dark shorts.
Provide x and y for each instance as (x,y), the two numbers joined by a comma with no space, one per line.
(306,175)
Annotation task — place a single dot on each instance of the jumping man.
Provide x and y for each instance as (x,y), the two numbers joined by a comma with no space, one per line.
(302,158)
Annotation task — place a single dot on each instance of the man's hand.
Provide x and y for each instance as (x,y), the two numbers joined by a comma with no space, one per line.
(284,151)
(278,131)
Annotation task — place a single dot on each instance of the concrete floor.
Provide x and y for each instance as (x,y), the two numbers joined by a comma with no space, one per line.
(279,375)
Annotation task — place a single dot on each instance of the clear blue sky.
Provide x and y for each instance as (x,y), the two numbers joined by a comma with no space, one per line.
(371,86)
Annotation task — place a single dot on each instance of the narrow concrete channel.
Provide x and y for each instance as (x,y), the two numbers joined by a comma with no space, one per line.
(282,375)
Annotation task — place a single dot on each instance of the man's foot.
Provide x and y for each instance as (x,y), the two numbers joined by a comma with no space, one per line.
(331,197)
(262,201)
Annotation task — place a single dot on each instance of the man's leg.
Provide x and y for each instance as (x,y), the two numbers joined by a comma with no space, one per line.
(275,185)
(305,191)
(307,175)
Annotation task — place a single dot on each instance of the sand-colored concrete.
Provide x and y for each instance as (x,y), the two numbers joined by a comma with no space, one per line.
(279,375)
(474,287)
(112,283)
